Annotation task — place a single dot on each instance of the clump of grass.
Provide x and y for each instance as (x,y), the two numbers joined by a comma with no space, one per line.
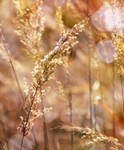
(43,71)
(45,67)
(30,27)
(89,137)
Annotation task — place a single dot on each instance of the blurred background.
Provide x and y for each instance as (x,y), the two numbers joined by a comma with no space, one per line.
(88,92)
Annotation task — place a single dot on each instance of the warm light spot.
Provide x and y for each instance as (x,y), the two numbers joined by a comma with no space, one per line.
(106,51)
(109,19)
(96,85)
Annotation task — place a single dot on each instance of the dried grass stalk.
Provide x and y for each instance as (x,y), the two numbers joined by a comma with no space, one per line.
(90,137)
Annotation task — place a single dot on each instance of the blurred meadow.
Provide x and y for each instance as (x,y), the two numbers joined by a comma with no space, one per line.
(61,68)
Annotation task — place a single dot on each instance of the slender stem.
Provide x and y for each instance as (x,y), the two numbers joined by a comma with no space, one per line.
(71,121)
(12,66)
(28,116)
(46,141)
(90,87)
(89,76)
(15,75)
(17,81)
(22,140)
(121,79)
(102,97)
(36,143)
(95,116)
(113,99)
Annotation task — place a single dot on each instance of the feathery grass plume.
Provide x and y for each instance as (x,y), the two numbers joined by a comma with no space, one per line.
(60,88)
(43,71)
(60,21)
(30,26)
(90,137)
(119,65)
(62,31)
(119,42)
